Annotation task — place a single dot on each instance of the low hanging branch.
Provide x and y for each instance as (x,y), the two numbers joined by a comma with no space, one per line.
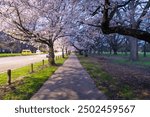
(123,30)
(140,34)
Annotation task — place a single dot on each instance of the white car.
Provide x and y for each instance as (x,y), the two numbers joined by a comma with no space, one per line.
(38,52)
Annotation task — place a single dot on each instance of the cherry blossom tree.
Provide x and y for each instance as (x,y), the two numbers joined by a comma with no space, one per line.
(41,21)
(63,44)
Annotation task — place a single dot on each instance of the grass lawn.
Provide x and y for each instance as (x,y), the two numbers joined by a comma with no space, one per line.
(140,62)
(9,54)
(19,72)
(128,54)
(143,61)
(124,59)
(110,86)
(28,85)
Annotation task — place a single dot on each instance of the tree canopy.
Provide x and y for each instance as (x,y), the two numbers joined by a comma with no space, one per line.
(81,21)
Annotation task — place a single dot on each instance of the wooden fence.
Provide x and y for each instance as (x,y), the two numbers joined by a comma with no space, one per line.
(9,71)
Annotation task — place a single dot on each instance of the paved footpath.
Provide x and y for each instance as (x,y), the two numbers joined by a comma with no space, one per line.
(69,82)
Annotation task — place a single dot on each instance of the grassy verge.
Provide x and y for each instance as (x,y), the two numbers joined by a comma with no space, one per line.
(9,54)
(14,54)
(28,85)
(109,85)
(19,72)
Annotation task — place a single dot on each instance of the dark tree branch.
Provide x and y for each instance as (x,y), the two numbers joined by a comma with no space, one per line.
(76,47)
(96,11)
(112,13)
(10,35)
(126,3)
(142,35)
(143,13)
(94,25)
(139,34)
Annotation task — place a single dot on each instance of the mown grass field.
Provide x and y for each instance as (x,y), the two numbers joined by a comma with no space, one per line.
(121,58)
(141,62)
(141,54)
(30,83)
(14,54)
(9,54)
(111,86)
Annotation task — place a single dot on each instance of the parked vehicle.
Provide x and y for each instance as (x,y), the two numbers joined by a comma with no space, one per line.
(38,52)
(26,52)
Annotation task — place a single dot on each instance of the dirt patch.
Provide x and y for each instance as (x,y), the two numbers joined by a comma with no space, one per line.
(4,89)
(138,78)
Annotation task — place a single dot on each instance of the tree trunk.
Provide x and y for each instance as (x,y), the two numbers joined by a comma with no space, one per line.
(80,52)
(101,50)
(126,53)
(133,41)
(115,52)
(66,51)
(85,53)
(115,49)
(51,57)
(126,48)
(144,49)
(110,51)
(63,56)
(133,49)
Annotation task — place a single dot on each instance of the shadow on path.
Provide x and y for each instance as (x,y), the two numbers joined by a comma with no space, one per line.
(69,82)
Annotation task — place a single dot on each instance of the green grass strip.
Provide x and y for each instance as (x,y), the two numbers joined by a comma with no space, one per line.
(19,72)
(31,83)
(9,54)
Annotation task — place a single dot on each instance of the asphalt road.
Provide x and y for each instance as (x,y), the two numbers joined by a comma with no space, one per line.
(19,61)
